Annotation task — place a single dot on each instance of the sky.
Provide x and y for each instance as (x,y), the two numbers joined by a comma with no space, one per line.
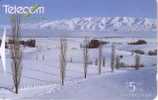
(66,9)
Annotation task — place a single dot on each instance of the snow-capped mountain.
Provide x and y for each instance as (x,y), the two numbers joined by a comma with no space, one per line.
(103,24)
(90,26)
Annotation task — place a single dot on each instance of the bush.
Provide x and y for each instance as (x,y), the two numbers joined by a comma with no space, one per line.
(152,53)
(138,42)
(22,42)
(138,51)
(96,43)
(130,66)
(134,66)
(29,43)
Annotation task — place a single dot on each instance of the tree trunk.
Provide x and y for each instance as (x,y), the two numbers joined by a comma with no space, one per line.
(113,58)
(85,57)
(100,59)
(137,61)
(63,49)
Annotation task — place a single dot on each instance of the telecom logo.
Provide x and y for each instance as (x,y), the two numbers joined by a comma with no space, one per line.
(35,9)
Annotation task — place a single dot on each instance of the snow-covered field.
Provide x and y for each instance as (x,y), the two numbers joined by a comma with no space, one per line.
(41,81)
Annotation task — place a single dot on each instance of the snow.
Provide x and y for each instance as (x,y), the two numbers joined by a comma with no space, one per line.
(113,26)
(122,24)
(41,80)
(113,87)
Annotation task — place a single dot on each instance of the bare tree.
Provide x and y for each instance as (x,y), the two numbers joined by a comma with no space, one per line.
(113,57)
(16,52)
(63,49)
(99,59)
(85,56)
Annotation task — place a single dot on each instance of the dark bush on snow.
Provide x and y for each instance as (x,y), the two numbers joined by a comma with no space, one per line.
(130,66)
(138,42)
(29,43)
(138,51)
(96,43)
(152,53)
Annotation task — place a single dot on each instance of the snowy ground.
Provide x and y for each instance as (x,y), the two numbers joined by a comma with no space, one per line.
(41,81)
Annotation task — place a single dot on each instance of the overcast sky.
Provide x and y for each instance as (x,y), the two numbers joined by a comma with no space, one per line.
(60,9)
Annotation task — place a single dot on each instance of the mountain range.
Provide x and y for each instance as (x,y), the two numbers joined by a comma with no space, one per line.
(101,24)
(90,26)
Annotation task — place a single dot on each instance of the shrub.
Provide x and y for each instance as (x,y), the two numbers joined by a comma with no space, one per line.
(130,66)
(138,42)
(134,66)
(96,43)
(152,53)
(138,51)
(29,43)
